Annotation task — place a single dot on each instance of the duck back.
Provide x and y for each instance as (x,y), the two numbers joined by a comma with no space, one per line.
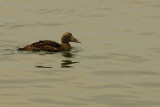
(43,45)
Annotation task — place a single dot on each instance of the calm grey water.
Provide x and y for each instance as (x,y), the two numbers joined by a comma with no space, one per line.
(116,65)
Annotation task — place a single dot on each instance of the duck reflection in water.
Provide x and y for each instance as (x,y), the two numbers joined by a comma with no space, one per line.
(68,63)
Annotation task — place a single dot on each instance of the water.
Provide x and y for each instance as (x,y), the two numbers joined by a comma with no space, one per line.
(116,65)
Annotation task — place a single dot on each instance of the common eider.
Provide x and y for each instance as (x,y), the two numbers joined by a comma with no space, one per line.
(52,46)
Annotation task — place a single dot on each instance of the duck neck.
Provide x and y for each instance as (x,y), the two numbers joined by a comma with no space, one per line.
(65,46)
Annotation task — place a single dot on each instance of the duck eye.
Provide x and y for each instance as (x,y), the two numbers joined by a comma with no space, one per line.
(69,36)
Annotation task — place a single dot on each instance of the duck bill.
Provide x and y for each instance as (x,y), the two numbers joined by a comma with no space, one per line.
(75,40)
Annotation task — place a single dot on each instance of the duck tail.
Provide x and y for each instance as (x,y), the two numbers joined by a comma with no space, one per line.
(20,49)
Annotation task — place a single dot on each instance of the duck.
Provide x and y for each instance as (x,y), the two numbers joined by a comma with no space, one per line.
(52,46)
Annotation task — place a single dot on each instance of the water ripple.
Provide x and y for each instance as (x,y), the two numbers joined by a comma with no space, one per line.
(149,34)
(131,73)
(67,63)
(119,100)
(57,11)
(51,101)
(120,56)
(127,57)
(21,81)
(145,3)
(105,86)
(147,84)
(35,24)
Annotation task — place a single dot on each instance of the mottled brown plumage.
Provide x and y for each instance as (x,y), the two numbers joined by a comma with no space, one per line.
(52,46)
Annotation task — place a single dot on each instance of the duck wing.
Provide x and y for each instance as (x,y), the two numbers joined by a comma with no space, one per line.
(43,45)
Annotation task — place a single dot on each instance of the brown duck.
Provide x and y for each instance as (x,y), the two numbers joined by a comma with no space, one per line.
(52,46)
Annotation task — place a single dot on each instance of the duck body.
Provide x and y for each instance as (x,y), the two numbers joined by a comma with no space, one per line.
(51,46)
(43,45)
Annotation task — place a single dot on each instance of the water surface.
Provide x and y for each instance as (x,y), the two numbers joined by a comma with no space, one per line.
(116,65)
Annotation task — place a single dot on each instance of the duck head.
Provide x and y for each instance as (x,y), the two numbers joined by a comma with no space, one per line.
(67,37)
